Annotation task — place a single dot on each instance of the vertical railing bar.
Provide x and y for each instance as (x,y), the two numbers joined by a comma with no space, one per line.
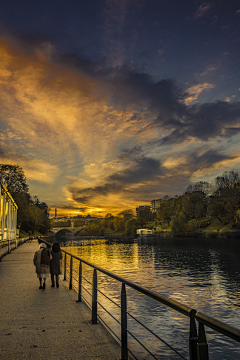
(94,297)
(193,338)
(70,274)
(124,347)
(65,263)
(202,343)
(80,283)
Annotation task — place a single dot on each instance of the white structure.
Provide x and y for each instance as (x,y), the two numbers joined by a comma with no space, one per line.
(8,215)
(145,232)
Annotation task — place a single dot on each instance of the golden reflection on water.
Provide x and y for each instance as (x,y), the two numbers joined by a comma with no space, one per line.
(113,257)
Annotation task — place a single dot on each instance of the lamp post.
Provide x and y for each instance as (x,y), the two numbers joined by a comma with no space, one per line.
(72,224)
(19,227)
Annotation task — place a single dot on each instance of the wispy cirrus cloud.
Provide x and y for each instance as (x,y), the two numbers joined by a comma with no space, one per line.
(202,10)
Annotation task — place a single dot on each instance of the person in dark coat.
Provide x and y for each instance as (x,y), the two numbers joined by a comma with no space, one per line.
(55,264)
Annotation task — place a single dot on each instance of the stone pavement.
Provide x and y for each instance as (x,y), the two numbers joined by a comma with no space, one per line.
(49,324)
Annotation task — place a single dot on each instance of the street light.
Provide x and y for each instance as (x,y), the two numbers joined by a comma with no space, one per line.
(19,226)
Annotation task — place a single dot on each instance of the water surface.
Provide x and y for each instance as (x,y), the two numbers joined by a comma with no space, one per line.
(203,274)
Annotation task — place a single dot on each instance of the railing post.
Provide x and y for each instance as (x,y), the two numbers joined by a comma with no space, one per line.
(193,338)
(80,283)
(94,297)
(65,263)
(124,350)
(8,246)
(70,274)
(202,343)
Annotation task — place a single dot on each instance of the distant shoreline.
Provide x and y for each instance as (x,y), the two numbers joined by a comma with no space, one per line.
(163,235)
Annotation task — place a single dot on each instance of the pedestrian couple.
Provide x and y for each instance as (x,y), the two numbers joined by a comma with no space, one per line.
(48,262)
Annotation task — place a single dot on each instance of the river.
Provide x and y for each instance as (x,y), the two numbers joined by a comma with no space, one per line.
(203,274)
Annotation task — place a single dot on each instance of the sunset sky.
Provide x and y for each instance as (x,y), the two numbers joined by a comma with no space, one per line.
(109,104)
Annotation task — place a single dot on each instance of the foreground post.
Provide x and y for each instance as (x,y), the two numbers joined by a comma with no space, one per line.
(70,275)
(94,297)
(80,283)
(65,263)
(193,338)
(202,343)
(124,351)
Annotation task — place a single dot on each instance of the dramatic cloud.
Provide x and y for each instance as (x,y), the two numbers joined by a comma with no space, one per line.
(94,138)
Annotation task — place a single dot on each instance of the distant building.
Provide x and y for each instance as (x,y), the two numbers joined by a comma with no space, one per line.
(155,204)
(89,217)
(143,211)
(145,232)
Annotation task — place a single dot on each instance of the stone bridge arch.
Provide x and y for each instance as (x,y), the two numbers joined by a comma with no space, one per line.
(66,230)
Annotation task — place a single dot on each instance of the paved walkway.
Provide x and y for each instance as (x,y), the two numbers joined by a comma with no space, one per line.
(48,324)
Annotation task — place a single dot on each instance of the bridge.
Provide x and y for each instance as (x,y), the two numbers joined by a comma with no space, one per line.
(66,230)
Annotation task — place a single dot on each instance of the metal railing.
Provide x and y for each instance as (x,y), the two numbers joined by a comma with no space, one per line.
(6,246)
(198,346)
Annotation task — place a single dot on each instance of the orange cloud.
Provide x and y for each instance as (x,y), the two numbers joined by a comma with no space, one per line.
(57,120)
(195,91)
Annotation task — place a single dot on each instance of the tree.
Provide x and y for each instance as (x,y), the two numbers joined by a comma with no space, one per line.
(226,199)
(108,219)
(216,208)
(127,211)
(118,224)
(128,227)
(228,179)
(33,215)
(108,215)
(178,224)
(166,210)
(101,231)
(134,230)
(36,218)
(194,205)
(13,177)
(203,186)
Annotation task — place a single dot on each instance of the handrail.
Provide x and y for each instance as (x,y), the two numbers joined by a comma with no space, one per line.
(219,326)
(197,342)
(185,310)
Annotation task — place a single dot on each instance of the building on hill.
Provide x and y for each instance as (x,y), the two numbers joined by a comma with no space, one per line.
(143,211)
(155,205)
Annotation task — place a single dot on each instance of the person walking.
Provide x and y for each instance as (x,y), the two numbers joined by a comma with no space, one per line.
(55,264)
(41,261)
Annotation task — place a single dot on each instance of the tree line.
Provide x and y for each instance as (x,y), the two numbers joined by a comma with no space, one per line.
(32,214)
(197,208)
(203,202)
